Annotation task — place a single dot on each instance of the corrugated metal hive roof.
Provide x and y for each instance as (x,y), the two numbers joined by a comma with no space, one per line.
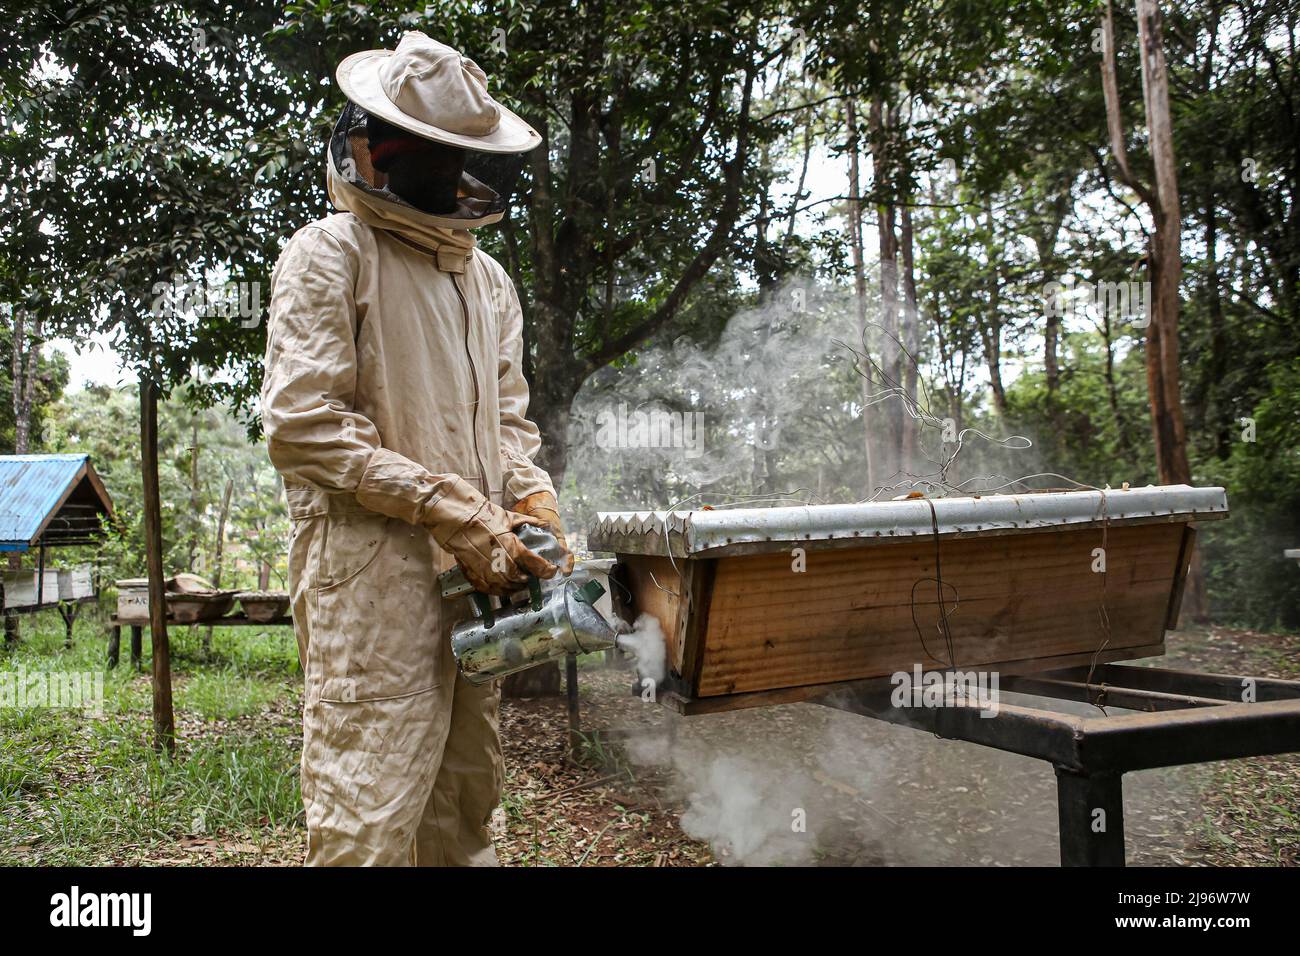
(54,498)
(751,530)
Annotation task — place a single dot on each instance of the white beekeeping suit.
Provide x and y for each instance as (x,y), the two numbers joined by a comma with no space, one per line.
(395,408)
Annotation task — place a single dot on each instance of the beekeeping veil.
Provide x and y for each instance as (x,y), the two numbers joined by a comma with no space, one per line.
(426,89)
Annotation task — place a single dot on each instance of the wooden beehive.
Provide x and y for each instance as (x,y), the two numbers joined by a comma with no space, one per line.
(133,600)
(76,584)
(768,605)
(27,588)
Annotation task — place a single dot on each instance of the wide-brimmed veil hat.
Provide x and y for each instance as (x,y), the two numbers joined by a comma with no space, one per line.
(429,89)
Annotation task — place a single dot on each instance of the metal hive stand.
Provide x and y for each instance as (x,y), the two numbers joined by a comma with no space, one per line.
(1185,718)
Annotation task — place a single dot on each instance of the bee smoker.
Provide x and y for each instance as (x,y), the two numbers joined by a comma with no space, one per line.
(558,618)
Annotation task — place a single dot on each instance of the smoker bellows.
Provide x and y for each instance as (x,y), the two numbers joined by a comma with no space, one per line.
(1030,582)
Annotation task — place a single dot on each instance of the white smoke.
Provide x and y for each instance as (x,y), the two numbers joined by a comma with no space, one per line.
(685,415)
(646,643)
(750,812)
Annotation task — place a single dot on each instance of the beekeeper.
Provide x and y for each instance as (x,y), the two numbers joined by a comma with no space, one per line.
(395,408)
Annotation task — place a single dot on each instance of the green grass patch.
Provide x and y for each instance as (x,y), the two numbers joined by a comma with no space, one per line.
(221,695)
(82,788)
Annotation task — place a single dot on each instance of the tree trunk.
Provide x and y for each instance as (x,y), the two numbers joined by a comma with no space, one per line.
(196,498)
(1044,240)
(556,380)
(860,291)
(164,720)
(1167,267)
(1051,361)
(1164,253)
(911,336)
(992,329)
(220,550)
(761,472)
(1112,388)
(992,337)
(1166,257)
(1213,416)
(25,354)
(892,409)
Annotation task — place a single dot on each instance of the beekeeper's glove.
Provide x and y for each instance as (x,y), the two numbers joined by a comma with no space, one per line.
(481,537)
(542,506)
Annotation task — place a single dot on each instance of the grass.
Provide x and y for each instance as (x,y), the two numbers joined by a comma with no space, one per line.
(88,788)
(226,694)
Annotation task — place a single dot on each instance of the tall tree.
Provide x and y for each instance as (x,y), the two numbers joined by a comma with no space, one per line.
(148,117)
(1164,250)
(858,253)
(1164,254)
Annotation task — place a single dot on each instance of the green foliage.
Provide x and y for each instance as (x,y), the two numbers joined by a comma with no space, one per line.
(1252,583)
(185,139)
(94,421)
(226,694)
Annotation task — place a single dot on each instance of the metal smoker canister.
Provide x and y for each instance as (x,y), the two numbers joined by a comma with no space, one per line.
(559,618)
(521,637)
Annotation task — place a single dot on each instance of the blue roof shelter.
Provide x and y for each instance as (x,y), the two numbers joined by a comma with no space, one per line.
(50,500)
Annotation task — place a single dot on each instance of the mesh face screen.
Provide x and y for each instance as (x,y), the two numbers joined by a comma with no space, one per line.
(486,187)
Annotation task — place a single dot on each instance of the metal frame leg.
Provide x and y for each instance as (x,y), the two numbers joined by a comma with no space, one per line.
(114,644)
(571,691)
(1090,810)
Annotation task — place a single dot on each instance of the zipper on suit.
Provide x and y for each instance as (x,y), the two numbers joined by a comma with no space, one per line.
(473,372)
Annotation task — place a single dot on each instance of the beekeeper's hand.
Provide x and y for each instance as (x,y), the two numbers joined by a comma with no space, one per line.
(542,507)
(481,537)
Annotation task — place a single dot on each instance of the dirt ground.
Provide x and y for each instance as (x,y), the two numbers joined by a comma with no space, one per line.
(799,784)
(724,789)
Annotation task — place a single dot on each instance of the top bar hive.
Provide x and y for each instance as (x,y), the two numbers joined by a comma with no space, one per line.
(774,603)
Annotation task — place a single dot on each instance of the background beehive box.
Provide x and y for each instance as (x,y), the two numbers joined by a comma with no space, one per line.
(744,628)
(133,600)
(21,588)
(76,583)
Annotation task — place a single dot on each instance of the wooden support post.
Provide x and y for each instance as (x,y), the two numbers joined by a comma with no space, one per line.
(164,718)
(137,654)
(1090,811)
(11,619)
(114,644)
